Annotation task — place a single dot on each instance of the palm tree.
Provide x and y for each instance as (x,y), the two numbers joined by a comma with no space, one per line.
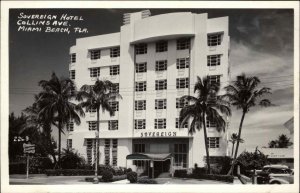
(39,122)
(55,104)
(244,94)
(206,105)
(96,97)
(233,140)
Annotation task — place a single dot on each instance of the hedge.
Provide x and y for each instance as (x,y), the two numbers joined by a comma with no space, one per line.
(17,168)
(180,173)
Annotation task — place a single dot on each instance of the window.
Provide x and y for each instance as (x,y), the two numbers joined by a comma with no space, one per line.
(114,105)
(140,86)
(180,103)
(160,84)
(160,103)
(140,105)
(214,39)
(180,155)
(114,88)
(92,110)
(214,60)
(95,54)
(94,72)
(107,151)
(113,125)
(182,83)
(115,52)
(69,143)
(140,124)
(70,126)
(114,152)
(162,46)
(72,74)
(210,122)
(92,125)
(183,44)
(185,125)
(139,148)
(159,123)
(90,143)
(141,49)
(73,58)
(161,65)
(141,67)
(214,79)
(114,70)
(182,63)
(213,142)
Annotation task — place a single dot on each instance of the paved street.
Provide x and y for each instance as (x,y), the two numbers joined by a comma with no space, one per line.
(56,180)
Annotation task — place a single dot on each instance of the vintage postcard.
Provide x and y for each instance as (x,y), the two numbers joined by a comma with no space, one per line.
(179,96)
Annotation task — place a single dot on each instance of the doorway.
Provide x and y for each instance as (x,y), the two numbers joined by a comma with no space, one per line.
(161,167)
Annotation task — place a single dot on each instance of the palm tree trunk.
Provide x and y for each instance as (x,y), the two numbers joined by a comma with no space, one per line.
(97,147)
(232,149)
(206,144)
(237,144)
(59,142)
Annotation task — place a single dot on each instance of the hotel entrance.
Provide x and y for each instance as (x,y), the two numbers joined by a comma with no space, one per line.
(159,156)
(152,165)
(162,168)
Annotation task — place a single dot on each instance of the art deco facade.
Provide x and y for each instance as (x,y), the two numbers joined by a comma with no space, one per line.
(153,61)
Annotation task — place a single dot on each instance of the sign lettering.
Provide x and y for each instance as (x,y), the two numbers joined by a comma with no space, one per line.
(159,134)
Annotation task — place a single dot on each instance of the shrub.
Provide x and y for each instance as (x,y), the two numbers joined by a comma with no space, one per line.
(103,168)
(180,173)
(132,177)
(199,171)
(118,171)
(71,159)
(121,177)
(128,170)
(38,165)
(17,168)
(146,181)
(107,176)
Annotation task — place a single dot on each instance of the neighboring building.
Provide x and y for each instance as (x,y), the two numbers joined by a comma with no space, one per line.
(284,156)
(152,61)
(290,125)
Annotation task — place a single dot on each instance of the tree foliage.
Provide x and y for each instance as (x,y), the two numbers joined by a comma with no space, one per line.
(252,160)
(206,105)
(245,94)
(71,159)
(281,142)
(56,106)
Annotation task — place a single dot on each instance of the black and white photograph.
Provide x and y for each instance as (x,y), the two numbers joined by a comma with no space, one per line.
(178,97)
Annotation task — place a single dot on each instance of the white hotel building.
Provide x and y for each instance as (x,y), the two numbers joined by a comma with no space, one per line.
(153,61)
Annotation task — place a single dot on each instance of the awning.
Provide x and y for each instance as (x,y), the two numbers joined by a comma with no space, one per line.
(149,156)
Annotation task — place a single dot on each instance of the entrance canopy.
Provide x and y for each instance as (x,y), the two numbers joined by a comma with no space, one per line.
(149,156)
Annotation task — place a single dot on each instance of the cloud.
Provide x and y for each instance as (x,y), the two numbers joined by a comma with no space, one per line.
(245,59)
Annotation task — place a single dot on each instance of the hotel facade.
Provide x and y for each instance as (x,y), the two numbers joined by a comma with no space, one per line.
(152,61)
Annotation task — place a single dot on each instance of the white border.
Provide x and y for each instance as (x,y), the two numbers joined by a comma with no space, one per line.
(5,187)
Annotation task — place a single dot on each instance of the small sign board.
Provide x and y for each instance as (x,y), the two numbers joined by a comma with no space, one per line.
(29,148)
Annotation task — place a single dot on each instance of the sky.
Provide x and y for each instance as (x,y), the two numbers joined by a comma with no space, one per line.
(261,44)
